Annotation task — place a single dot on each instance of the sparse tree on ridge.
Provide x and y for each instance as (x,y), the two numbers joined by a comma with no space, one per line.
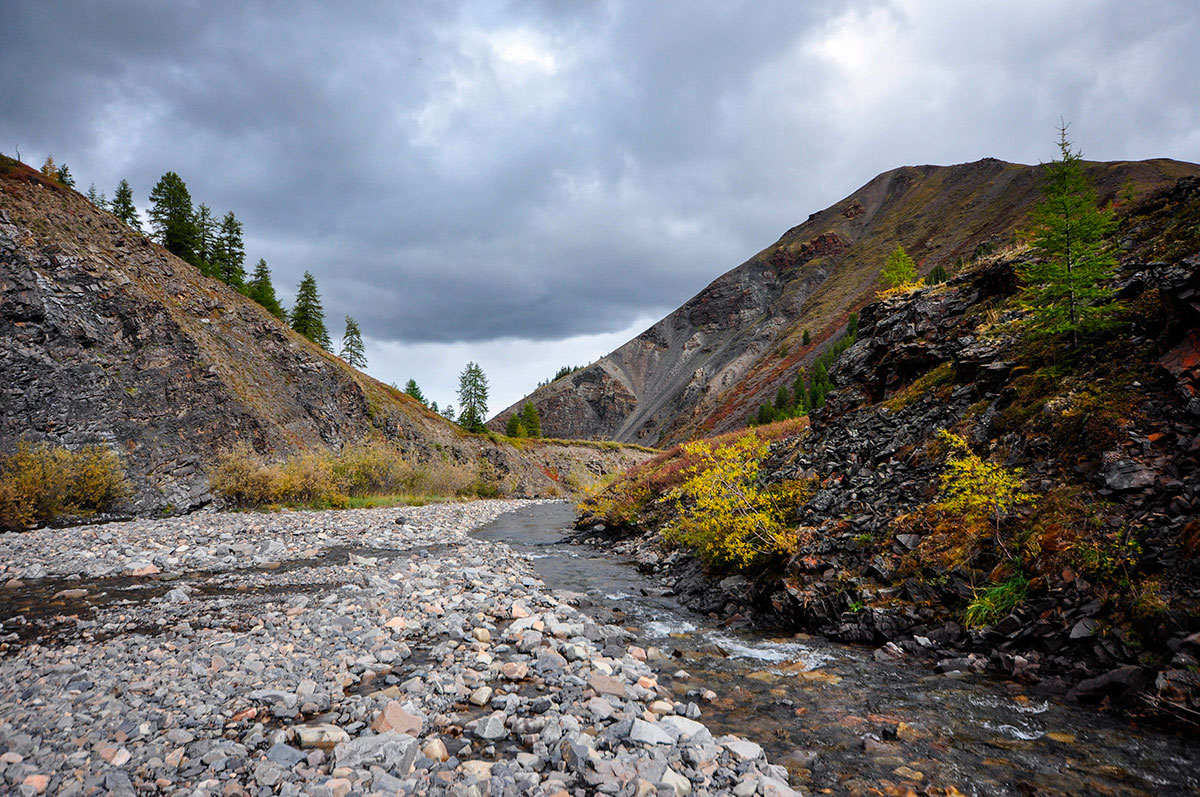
(513,427)
(352,345)
(63,175)
(472,397)
(206,241)
(172,217)
(448,413)
(230,252)
(97,198)
(898,269)
(307,316)
(261,290)
(49,168)
(413,389)
(122,207)
(1067,286)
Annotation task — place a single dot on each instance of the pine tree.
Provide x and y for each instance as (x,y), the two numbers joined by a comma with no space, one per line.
(206,241)
(514,427)
(1067,284)
(898,269)
(433,406)
(352,345)
(472,397)
(97,198)
(448,413)
(531,420)
(937,276)
(122,207)
(783,399)
(413,389)
(261,290)
(172,217)
(307,316)
(63,175)
(807,338)
(800,392)
(230,257)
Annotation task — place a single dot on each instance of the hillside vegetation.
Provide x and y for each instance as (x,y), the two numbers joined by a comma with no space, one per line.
(983,494)
(107,339)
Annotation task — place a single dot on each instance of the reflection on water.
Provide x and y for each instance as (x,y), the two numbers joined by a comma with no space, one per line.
(842,721)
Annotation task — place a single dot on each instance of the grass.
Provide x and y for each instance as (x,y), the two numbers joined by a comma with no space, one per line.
(996,602)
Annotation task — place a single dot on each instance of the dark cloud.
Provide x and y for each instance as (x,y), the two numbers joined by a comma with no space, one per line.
(540,170)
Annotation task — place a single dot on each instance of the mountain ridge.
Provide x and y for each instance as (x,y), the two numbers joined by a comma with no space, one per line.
(707,366)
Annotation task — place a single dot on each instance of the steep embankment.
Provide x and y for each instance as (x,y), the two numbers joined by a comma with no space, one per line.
(1090,585)
(107,338)
(708,366)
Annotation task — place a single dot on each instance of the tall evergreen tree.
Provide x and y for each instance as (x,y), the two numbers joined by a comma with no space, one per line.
(231,253)
(307,316)
(352,345)
(261,290)
(413,389)
(122,206)
(206,241)
(172,217)
(472,397)
(1067,285)
(531,420)
(514,427)
(63,175)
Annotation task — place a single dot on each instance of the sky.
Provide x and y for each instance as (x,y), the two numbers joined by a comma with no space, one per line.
(529,184)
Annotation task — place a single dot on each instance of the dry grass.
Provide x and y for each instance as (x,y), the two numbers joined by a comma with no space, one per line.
(368,470)
(40,482)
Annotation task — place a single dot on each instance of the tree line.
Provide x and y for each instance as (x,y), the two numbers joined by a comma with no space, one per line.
(215,246)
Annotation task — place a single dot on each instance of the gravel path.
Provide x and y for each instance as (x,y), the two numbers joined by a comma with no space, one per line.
(353,652)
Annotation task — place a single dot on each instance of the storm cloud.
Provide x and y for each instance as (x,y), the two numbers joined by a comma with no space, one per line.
(470,175)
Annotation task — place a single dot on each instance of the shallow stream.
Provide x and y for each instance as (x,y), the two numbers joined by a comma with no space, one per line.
(842,721)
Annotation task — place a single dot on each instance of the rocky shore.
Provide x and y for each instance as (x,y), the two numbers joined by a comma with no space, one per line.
(354,652)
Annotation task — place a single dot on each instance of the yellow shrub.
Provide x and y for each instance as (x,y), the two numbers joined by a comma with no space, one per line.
(723,511)
(244,478)
(978,491)
(373,469)
(40,482)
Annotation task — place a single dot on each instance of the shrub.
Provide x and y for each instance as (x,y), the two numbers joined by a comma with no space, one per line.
(40,482)
(723,511)
(976,490)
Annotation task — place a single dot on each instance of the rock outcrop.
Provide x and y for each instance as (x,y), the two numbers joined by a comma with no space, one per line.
(107,338)
(708,366)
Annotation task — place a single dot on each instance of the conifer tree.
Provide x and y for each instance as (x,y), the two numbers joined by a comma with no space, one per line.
(307,316)
(206,241)
(783,399)
(1067,284)
(97,198)
(514,427)
(122,206)
(49,168)
(261,290)
(172,217)
(531,420)
(352,345)
(898,269)
(63,175)
(413,389)
(472,397)
(230,253)
(807,339)
(448,413)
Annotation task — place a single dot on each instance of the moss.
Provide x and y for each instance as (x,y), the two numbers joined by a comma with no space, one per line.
(935,382)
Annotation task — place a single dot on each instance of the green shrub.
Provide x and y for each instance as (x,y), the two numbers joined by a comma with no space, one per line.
(40,482)
(996,602)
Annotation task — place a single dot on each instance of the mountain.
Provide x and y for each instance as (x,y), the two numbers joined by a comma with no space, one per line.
(107,338)
(708,366)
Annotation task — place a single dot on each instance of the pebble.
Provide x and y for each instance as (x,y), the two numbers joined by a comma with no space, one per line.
(334,653)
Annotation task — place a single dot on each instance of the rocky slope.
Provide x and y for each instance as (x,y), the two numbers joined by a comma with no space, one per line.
(1105,559)
(708,366)
(107,338)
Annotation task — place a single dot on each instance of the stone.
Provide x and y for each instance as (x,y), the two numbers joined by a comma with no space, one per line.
(679,783)
(480,770)
(339,787)
(492,727)
(606,685)
(284,754)
(37,782)
(741,749)
(481,696)
(648,733)
(395,718)
(514,670)
(394,751)
(481,635)
(681,729)
(435,750)
(324,735)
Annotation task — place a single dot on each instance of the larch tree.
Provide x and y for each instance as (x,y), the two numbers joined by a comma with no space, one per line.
(307,316)
(413,389)
(262,290)
(898,269)
(122,207)
(230,251)
(472,397)
(1067,285)
(352,345)
(172,217)
(531,420)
